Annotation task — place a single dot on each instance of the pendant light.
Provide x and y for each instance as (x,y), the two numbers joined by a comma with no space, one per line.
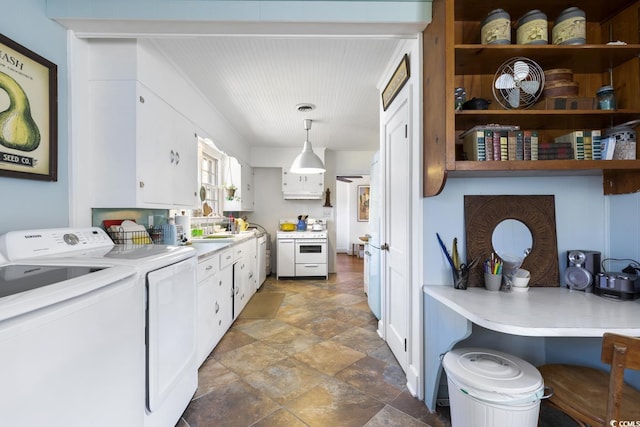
(307,161)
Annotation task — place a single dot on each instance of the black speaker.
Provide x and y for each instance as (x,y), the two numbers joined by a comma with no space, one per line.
(582,268)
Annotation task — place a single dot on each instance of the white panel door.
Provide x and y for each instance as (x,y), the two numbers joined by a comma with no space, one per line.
(396,235)
(171,329)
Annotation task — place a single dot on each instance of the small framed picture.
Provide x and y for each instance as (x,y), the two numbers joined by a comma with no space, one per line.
(397,81)
(363,202)
(28,113)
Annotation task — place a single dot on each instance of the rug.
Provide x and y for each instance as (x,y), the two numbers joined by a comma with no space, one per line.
(263,305)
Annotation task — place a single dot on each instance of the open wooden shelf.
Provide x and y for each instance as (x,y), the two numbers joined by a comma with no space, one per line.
(454,57)
(485,59)
(547,165)
(545,119)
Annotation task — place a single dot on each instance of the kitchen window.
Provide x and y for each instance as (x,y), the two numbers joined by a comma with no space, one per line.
(211,176)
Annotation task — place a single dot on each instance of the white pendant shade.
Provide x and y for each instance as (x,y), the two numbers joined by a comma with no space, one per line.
(307,161)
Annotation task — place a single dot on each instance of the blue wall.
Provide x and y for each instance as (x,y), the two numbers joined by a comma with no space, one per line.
(580,215)
(27,203)
(585,219)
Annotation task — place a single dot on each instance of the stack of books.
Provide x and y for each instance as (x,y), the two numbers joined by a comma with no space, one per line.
(504,143)
(487,144)
(555,151)
(586,143)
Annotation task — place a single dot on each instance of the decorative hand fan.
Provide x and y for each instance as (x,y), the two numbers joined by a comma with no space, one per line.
(518,83)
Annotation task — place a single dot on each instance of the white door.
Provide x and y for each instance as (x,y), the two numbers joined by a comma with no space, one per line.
(396,234)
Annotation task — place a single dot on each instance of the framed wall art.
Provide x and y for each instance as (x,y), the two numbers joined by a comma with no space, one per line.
(397,81)
(28,113)
(363,202)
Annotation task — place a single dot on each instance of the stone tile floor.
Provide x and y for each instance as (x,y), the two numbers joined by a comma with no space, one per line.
(319,362)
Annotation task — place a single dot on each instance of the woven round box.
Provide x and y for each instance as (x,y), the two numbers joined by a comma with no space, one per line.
(556,74)
(560,88)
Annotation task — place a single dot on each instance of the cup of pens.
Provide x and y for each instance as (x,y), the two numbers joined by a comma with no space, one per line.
(493,273)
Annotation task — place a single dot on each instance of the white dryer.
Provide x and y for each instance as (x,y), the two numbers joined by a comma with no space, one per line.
(167,276)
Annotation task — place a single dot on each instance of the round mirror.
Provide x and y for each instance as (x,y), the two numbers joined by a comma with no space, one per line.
(511,239)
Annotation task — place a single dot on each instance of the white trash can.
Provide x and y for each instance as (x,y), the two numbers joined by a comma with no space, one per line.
(489,388)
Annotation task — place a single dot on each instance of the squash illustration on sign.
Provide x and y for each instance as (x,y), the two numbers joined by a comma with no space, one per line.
(18,130)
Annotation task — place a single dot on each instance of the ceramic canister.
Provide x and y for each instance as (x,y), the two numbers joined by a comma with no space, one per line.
(496,28)
(570,27)
(532,28)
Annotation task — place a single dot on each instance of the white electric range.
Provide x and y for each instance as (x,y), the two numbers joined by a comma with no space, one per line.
(303,253)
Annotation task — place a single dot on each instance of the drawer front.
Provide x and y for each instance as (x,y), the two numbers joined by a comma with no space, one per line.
(226,258)
(208,267)
(311,270)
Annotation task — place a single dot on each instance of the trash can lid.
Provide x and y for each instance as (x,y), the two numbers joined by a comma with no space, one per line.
(492,370)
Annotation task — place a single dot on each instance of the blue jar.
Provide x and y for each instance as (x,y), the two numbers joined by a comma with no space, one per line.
(606,98)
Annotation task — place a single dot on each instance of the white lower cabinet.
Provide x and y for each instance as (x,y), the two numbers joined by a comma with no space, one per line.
(226,282)
(244,277)
(286,258)
(214,303)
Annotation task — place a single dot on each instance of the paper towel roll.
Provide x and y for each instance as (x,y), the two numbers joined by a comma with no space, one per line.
(184,221)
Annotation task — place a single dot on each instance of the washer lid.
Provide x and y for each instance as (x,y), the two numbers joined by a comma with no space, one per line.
(492,370)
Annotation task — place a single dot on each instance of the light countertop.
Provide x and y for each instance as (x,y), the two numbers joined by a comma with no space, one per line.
(541,311)
(206,247)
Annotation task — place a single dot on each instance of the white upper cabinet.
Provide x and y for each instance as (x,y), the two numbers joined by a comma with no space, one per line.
(302,186)
(240,175)
(145,151)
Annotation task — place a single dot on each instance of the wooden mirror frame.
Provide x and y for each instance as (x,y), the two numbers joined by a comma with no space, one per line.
(483,213)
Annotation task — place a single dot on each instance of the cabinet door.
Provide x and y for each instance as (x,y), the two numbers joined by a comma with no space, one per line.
(291,182)
(239,287)
(205,326)
(184,173)
(313,183)
(246,192)
(286,258)
(224,303)
(167,152)
(207,306)
(154,128)
(302,186)
(111,157)
(252,271)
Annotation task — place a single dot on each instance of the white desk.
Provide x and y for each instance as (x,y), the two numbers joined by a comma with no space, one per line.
(541,312)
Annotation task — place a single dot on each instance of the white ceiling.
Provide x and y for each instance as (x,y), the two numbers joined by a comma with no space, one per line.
(256,73)
(257,82)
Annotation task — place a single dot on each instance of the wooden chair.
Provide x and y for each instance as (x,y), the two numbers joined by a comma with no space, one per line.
(591,396)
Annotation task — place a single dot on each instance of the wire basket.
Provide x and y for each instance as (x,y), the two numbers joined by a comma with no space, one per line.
(142,237)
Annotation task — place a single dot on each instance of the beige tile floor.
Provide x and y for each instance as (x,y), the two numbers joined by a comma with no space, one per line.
(319,362)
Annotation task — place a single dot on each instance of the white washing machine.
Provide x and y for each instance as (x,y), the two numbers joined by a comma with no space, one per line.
(70,343)
(167,277)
